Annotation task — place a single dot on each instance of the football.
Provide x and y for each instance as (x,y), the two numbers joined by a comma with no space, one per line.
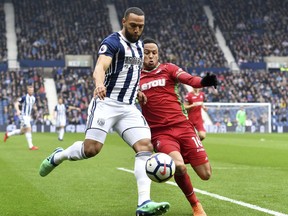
(160,167)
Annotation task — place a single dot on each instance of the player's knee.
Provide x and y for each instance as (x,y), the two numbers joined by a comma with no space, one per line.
(92,148)
(143,145)
(181,169)
(206,175)
(202,135)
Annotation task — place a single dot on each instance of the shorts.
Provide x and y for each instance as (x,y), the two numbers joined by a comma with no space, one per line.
(182,138)
(199,126)
(60,122)
(25,121)
(125,119)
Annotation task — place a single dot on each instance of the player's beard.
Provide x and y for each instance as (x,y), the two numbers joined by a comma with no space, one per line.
(130,37)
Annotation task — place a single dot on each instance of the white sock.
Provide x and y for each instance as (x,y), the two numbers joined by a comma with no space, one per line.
(143,182)
(73,153)
(29,139)
(14,132)
(61,133)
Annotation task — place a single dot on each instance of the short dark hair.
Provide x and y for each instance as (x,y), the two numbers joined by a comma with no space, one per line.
(134,10)
(150,40)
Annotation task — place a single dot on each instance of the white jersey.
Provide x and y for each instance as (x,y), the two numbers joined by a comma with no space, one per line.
(61,114)
(27,103)
(122,77)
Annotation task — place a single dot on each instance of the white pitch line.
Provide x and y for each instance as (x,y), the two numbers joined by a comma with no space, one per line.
(247,205)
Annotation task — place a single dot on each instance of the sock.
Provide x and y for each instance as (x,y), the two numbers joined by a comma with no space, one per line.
(29,139)
(73,153)
(143,182)
(184,182)
(61,133)
(14,132)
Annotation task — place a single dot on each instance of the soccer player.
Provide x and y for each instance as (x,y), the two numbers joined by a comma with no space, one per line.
(27,102)
(116,76)
(194,103)
(172,132)
(241,120)
(60,116)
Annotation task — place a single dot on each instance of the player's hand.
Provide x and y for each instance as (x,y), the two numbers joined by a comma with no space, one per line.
(100,91)
(209,80)
(141,97)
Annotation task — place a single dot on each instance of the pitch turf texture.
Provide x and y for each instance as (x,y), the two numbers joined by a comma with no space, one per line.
(251,168)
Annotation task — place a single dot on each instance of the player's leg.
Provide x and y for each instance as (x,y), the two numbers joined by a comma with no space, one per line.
(194,153)
(135,131)
(12,133)
(97,129)
(61,133)
(199,126)
(26,128)
(28,135)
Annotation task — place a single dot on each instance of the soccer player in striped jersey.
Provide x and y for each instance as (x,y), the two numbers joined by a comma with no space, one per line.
(172,132)
(116,77)
(27,102)
(60,116)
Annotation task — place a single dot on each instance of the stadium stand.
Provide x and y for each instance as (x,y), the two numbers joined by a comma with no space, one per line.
(253,29)
(48,30)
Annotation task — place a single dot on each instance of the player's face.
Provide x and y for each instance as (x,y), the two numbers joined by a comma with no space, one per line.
(30,90)
(151,56)
(60,100)
(133,27)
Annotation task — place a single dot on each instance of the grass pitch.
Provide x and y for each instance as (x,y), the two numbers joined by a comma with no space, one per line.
(251,168)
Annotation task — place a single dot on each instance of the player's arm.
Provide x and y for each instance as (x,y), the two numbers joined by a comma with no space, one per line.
(103,63)
(204,107)
(187,106)
(16,106)
(196,81)
(73,108)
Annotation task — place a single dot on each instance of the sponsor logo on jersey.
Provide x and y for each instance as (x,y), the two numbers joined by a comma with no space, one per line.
(153,83)
(133,61)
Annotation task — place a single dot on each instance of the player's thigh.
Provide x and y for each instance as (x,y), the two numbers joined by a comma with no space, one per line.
(102,115)
(165,143)
(192,148)
(25,122)
(200,126)
(132,127)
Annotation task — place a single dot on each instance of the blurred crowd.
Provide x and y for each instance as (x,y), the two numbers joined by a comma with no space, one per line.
(48,30)
(253,29)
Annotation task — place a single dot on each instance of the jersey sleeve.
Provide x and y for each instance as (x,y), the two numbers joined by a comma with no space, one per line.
(55,109)
(184,77)
(109,46)
(21,99)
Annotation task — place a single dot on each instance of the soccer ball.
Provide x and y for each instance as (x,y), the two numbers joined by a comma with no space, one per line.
(160,167)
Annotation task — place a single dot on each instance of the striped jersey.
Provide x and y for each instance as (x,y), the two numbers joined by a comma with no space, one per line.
(27,103)
(122,77)
(61,110)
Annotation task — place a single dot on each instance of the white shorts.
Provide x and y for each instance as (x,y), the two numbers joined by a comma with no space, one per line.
(25,121)
(125,119)
(60,121)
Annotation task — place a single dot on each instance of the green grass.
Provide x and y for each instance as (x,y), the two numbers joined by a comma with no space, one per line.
(251,168)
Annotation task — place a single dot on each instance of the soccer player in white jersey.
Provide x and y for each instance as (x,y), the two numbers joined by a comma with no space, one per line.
(60,116)
(27,102)
(116,76)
